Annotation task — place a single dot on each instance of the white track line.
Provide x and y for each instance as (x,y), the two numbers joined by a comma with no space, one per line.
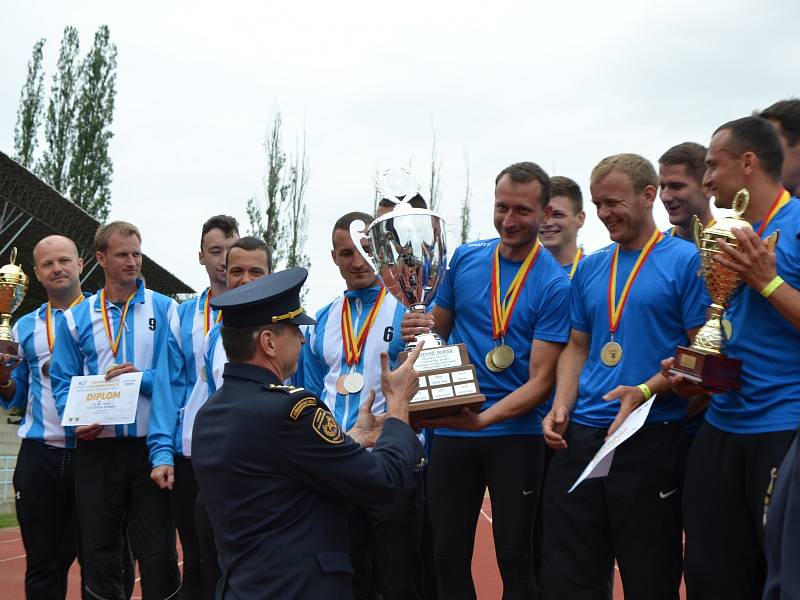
(485,516)
(12,558)
(10,541)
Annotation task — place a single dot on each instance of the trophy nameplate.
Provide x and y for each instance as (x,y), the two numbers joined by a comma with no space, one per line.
(447,383)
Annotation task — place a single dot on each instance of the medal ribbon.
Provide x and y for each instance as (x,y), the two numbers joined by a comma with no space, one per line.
(501,311)
(780,202)
(114,340)
(354,344)
(48,323)
(614,309)
(207,314)
(575,261)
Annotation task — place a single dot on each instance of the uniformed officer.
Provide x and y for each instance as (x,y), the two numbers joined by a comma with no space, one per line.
(275,470)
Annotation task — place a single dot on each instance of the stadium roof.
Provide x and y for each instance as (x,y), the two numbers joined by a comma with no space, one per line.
(30,210)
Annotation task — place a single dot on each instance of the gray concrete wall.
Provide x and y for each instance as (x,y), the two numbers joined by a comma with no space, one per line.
(9,447)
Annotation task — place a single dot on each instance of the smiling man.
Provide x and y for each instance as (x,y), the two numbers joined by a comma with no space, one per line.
(123,328)
(631,304)
(559,232)
(43,477)
(515,357)
(680,179)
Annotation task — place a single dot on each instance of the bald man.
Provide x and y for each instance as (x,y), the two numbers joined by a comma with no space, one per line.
(43,476)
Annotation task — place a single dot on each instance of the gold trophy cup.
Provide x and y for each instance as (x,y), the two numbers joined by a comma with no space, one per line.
(13,285)
(704,362)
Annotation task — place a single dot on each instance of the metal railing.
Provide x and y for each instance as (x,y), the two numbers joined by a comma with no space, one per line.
(7,464)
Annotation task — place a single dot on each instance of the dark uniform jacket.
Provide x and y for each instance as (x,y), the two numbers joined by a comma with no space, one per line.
(276,473)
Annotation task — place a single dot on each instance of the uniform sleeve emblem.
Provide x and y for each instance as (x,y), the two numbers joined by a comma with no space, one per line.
(326,427)
(300,406)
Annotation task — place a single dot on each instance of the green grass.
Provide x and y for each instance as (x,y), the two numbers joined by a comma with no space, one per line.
(8,521)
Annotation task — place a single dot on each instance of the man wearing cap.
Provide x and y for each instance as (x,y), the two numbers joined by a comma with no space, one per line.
(275,469)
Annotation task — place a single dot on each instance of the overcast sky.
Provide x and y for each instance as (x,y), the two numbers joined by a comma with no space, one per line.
(562,85)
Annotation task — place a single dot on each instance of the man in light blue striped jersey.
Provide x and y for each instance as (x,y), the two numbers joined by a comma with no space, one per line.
(121,329)
(43,476)
(197,317)
(339,363)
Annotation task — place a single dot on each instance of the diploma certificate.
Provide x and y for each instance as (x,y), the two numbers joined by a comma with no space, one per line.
(92,399)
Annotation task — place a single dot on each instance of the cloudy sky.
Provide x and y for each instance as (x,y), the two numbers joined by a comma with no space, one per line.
(562,83)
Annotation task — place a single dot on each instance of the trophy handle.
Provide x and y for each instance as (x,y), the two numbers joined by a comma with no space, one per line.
(358,231)
(740,202)
(697,230)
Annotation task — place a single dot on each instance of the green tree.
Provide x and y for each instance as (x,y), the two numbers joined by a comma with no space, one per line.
(29,115)
(296,236)
(436,174)
(60,121)
(90,166)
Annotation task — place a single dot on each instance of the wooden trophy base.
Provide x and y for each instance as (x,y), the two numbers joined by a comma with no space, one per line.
(708,370)
(447,383)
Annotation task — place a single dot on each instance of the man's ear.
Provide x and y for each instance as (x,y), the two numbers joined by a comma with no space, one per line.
(581,219)
(101,259)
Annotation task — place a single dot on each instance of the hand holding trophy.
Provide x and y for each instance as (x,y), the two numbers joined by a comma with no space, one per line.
(13,285)
(704,363)
(407,248)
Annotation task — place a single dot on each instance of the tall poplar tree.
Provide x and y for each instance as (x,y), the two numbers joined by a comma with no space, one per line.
(29,115)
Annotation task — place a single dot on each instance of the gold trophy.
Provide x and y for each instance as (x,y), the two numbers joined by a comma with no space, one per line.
(704,362)
(13,285)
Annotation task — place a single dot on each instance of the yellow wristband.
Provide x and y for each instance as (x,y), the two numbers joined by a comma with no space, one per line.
(645,390)
(772,286)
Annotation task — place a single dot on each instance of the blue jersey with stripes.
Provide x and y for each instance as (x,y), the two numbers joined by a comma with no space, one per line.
(666,299)
(209,381)
(193,335)
(541,313)
(34,393)
(767,344)
(149,340)
(322,359)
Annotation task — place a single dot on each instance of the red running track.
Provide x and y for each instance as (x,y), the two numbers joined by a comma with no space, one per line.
(484,565)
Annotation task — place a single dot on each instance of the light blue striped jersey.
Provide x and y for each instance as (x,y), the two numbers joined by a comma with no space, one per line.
(34,393)
(193,333)
(149,341)
(213,361)
(322,360)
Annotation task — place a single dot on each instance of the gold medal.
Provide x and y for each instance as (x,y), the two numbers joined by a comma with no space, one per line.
(489,361)
(503,357)
(46,368)
(611,354)
(203,375)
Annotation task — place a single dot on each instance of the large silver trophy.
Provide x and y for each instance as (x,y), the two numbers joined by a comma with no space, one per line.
(407,248)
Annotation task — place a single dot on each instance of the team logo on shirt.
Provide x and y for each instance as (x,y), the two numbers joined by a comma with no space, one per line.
(326,427)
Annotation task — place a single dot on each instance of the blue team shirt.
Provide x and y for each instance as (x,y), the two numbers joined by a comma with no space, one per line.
(768,346)
(541,313)
(666,299)
(322,359)
(34,393)
(192,335)
(149,341)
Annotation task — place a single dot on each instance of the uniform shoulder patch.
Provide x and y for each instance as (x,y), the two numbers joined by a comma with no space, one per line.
(326,427)
(300,406)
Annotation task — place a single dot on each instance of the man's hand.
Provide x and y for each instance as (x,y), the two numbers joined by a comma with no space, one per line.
(164,476)
(400,385)
(368,427)
(119,370)
(8,363)
(554,425)
(88,432)
(630,398)
(752,260)
(415,323)
(680,385)
(466,420)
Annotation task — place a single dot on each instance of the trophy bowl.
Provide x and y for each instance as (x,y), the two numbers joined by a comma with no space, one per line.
(407,248)
(13,285)
(704,362)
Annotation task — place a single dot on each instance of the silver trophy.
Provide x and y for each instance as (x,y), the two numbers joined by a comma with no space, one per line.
(407,248)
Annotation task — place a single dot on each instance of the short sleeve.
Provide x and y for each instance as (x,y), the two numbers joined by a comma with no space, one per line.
(553,322)
(694,300)
(579,320)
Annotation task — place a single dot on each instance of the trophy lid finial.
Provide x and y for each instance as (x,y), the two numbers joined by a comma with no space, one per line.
(740,202)
(397,185)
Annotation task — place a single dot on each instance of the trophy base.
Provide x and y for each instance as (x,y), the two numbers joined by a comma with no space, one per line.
(447,383)
(708,370)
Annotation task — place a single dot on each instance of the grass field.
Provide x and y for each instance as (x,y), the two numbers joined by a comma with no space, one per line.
(8,521)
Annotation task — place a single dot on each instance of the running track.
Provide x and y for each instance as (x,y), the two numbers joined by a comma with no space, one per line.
(484,565)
